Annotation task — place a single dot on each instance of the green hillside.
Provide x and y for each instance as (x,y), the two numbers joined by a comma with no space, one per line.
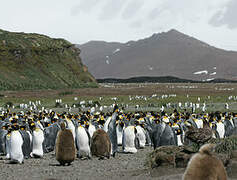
(34,61)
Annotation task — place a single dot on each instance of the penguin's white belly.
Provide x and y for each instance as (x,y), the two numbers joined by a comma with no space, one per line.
(40,125)
(38,138)
(199,123)
(119,131)
(129,140)
(141,136)
(72,128)
(83,141)
(106,125)
(16,142)
(220,127)
(179,140)
(30,136)
(8,146)
(91,130)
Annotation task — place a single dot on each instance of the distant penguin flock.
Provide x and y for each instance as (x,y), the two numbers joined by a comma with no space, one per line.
(90,134)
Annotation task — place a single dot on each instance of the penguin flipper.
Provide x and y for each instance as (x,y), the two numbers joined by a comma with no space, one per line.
(137,143)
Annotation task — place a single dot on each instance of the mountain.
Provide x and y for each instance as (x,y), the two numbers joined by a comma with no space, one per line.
(169,53)
(34,61)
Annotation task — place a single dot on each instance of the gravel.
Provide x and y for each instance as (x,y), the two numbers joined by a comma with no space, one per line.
(123,166)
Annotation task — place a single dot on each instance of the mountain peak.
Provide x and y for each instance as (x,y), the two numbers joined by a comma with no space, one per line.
(173,31)
(170,53)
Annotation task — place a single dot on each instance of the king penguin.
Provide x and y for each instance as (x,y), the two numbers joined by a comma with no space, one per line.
(37,141)
(220,128)
(3,133)
(112,131)
(100,144)
(83,142)
(205,165)
(70,125)
(119,128)
(129,140)
(141,136)
(65,149)
(27,146)
(16,142)
(50,131)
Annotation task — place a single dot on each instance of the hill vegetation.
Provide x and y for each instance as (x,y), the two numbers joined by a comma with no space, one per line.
(34,61)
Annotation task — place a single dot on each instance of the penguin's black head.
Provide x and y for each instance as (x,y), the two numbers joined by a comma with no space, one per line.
(15,127)
(54,120)
(47,124)
(23,127)
(136,122)
(86,124)
(142,125)
(9,130)
(121,124)
(32,126)
(5,127)
(157,121)
(13,121)
(115,108)
(69,116)
(162,113)
(178,131)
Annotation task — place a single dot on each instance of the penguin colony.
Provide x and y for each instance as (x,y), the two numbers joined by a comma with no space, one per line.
(86,134)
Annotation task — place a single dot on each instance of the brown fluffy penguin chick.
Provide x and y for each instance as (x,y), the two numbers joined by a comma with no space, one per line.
(100,144)
(65,146)
(204,165)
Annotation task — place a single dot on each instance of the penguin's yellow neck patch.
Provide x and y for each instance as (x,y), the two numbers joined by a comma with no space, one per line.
(37,129)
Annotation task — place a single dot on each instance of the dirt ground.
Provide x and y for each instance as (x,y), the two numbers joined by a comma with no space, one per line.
(135,89)
(123,166)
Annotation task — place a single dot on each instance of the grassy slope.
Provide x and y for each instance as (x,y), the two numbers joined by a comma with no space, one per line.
(33,61)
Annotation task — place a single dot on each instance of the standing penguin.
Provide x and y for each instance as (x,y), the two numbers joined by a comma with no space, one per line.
(83,142)
(162,135)
(205,165)
(112,131)
(100,144)
(50,131)
(141,135)
(16,142)
(37,141)
(130,141)
(27,146)
(7,142)
(70,125)
(91,129)
(220,128)
(3,133)
(65,149)
(119,129)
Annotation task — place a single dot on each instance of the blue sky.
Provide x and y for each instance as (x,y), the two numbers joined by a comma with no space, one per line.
(79,21)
